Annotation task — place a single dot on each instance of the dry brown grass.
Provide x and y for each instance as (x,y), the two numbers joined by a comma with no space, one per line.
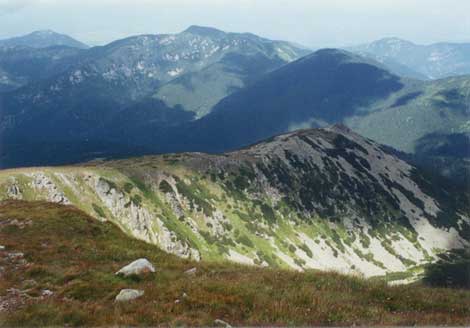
(75,256)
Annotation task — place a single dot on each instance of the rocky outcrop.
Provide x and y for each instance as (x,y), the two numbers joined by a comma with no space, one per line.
(141,223)
(44,184)
(13,190)
(168,241)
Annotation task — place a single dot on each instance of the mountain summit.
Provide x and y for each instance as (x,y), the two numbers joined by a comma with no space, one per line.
(204,30)
(43,39)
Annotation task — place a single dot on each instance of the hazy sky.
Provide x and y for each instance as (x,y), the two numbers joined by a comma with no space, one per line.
(315,23)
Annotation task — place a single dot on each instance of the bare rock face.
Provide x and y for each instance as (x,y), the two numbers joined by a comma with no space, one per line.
(127,295)
(44,184)
(169,242)
(138,267)
(141,222)
(136,218)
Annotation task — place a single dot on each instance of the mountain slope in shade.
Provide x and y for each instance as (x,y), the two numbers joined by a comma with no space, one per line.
(43,39)
(411,119)
(9,82)
(21,65)
(317,90)
(398,68)
(435,61)
(199,91)
(326,199)
(333,86)
(104,81)
(324,88)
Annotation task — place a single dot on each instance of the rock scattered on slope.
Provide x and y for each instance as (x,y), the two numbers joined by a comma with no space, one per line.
(219,322)
(14,191)
(42,182)
(191,272)
(12,299)
(15,256)
(138,267)
(47,293)
(126,295)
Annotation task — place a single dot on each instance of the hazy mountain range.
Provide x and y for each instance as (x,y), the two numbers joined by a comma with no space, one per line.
(216,147)
(208,90)
(434,61)
(97,85)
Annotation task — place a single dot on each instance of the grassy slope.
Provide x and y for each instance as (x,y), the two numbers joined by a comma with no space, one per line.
(246,223)
(76,256)
(418,110)
(198,92)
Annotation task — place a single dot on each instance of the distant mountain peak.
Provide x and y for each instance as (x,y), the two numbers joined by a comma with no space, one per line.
(331,52)
(393,41)
(340,128)
(417,60)
(203,30)
(43,39)
(340,56)
(44,32)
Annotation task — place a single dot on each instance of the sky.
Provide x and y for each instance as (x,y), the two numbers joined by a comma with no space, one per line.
(313,23)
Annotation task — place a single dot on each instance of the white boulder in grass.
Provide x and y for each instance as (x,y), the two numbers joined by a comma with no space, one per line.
(126,295)
(140,266)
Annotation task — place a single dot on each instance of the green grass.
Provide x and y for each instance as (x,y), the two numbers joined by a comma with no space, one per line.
(76,256)
(98,210)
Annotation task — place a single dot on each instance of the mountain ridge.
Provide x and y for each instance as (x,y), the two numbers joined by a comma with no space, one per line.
(124,73)
(431,61)
(321,198)
(239,97)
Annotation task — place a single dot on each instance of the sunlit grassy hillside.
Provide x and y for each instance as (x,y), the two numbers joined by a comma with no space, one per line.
(59,249)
